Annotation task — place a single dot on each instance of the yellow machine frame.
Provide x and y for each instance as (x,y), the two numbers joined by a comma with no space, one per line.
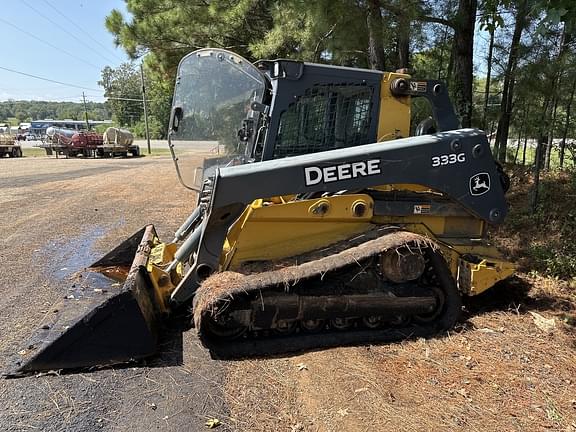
(278,227)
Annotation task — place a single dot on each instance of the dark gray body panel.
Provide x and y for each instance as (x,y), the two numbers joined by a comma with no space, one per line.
(409,160)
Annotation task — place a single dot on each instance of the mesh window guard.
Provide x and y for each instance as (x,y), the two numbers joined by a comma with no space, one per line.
(324,118)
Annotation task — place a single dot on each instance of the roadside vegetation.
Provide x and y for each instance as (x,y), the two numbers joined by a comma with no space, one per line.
(33,152)
(16,112)
(541,241)
(507,62)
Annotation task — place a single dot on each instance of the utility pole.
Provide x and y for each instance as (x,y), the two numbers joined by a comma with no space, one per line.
(85,112)
(145,107)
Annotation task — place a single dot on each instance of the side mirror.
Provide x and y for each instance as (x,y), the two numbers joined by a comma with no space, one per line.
(175,118)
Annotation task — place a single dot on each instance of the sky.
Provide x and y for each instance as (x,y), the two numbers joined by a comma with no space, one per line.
(66,41)
(61,40)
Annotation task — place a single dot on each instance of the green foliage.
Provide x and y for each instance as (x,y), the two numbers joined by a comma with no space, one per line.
(101,128)
(431,63)
(172,28)
(120,85)
(491,14)
(123,86)
(333,31)
(155,127)
(317,31)
(558,259)
(546,235)
(159,89)
(556,12)
(554,262)
(336,31)
(21,111)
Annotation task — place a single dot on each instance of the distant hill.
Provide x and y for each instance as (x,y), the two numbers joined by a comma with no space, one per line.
(21,111)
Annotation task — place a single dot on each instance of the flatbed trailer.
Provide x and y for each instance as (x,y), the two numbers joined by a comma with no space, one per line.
(71,143)
(58,149)
(10,150)
(66,150)
(9,146)
(117,150)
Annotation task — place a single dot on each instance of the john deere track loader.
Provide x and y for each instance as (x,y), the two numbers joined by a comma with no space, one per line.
(327,224)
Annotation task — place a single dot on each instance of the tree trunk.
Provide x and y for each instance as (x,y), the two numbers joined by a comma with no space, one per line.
(566,124)
(375,36)
(517,148)
(538,157)
(525,131)
(450,68)
(463,66)
(520,130)
(441,62)
(537,166)
(488,76)
(550,142)
(508,87)
(403,42)
(556,81)
(524,149)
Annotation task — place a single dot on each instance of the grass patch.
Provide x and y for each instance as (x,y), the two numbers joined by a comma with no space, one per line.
(155,151)
(38,152)
(33,152)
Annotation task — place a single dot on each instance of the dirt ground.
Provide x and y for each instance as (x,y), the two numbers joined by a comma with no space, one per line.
(57,216)
(496,371)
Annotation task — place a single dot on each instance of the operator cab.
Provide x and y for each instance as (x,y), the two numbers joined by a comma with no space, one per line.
(281,108)
(222,102)
(214,97)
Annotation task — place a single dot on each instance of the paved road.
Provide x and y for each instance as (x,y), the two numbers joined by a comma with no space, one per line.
(200,146)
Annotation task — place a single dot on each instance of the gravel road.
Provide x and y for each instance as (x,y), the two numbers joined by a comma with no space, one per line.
(57,216)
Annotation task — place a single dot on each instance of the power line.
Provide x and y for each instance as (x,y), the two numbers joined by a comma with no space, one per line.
(73,85)
(126,99)
(48,79)
(120,98)
(71,21)
(49,44)
(66,31)
(70,98)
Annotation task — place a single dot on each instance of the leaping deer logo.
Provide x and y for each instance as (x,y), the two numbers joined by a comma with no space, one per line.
(479,183)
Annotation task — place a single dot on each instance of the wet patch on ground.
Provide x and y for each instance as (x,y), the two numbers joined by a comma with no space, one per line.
(68,256)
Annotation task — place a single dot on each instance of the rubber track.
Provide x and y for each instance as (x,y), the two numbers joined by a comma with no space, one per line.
(225,287)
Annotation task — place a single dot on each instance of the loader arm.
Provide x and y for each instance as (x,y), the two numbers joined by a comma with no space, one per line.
(434,161)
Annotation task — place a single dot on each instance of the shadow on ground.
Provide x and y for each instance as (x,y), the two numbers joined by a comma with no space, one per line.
(170,353)
(515,294)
